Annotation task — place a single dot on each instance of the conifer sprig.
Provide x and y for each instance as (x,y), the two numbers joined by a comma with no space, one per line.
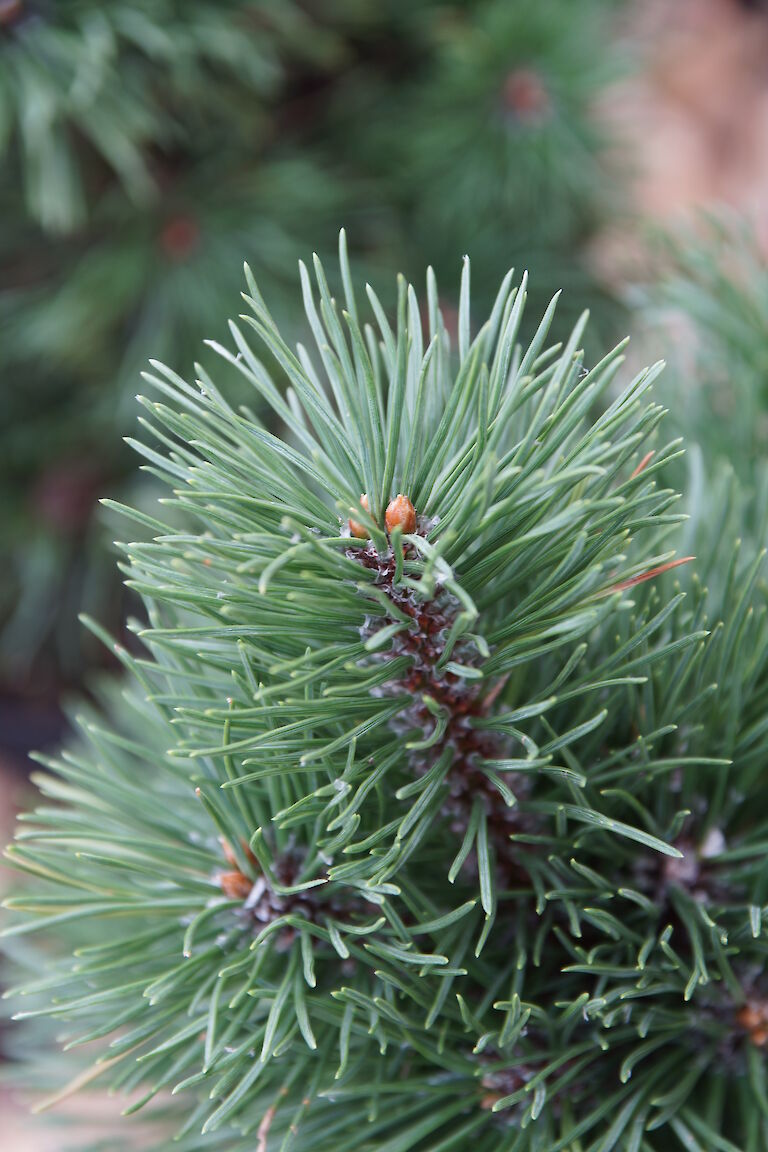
(524,516)
(434,810)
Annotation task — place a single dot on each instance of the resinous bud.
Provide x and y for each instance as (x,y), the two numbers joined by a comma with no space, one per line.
(356,528)
(400,511)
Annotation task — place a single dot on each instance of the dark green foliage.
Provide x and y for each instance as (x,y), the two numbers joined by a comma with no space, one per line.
(116,81)
(416,839)
(498,113)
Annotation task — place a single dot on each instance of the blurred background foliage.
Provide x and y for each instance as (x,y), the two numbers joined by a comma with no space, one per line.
(713,297)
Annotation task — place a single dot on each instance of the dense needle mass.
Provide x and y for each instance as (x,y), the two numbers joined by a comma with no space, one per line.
(433,814)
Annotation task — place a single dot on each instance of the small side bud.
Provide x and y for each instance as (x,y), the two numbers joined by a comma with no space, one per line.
(235,885)
(229,855)
(749,1017)
(355,527)
(400,511)
(753,1018)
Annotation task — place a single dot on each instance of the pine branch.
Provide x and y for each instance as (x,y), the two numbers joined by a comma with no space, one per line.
(432,812)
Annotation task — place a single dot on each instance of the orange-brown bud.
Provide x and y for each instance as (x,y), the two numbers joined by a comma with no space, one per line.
(753,1017)
(231,859)
(235,885)
(400,511)
(355,527)
(749,1017)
